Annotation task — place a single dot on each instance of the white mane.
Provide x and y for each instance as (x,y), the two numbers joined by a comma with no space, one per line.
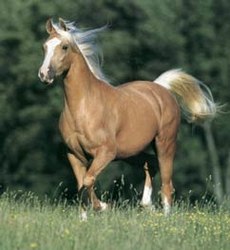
(85,41)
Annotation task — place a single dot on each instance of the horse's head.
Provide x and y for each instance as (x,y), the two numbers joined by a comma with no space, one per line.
(64,41)
(57,50)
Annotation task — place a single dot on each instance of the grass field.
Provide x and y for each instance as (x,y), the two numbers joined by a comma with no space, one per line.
(27,223)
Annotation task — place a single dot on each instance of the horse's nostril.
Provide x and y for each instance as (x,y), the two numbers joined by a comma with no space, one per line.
(41,75)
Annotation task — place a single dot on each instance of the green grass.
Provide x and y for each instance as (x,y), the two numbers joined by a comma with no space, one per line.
(28,223)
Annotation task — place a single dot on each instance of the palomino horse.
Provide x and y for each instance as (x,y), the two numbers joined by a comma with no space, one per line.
(100,122)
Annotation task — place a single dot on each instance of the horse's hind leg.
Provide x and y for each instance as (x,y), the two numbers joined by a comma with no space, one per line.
(146,200)
(166,150)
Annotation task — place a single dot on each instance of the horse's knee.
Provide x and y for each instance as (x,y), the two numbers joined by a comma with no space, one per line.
(88,181)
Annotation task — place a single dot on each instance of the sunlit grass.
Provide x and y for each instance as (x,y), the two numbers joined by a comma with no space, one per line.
(27,223)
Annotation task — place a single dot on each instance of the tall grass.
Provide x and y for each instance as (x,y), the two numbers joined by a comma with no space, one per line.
(27,223)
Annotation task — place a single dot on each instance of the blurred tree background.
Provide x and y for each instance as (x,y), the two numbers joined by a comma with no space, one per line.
(144,38)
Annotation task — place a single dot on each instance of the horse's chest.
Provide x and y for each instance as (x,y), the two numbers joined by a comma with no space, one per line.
(68,131)
(75,136)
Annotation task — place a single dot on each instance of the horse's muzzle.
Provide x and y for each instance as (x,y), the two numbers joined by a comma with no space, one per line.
(48,77)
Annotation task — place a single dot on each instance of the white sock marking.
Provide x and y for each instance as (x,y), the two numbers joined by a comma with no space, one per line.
(146,198)
(83,216)
(167,206)
(104,206)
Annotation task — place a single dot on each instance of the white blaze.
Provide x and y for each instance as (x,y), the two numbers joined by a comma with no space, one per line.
(51,45)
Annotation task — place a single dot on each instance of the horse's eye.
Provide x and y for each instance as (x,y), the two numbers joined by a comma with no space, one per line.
(65,47)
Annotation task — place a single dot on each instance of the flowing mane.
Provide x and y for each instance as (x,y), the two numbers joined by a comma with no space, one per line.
(85,41)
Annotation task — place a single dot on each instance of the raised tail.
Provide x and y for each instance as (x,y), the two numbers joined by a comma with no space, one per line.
(194,97)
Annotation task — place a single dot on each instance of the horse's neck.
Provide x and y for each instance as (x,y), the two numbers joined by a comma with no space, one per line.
(79,84)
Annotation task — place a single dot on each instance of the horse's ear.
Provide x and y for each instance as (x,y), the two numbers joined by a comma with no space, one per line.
(49,26)
(62,24)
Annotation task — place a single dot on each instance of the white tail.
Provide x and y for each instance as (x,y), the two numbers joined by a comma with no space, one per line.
(194,97)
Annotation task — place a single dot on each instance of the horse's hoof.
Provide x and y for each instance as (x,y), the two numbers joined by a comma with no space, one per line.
(149,207)
(104,206)
(83,216)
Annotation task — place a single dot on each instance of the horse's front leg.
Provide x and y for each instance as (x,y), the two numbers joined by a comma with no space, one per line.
(97,204)
(79,170)
(103,156)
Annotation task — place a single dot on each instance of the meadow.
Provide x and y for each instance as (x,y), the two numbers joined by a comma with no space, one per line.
(29,223)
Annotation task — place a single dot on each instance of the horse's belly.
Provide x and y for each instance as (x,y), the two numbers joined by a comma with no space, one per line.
(130,143)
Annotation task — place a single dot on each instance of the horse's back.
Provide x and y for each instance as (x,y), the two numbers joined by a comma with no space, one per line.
(161,100)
